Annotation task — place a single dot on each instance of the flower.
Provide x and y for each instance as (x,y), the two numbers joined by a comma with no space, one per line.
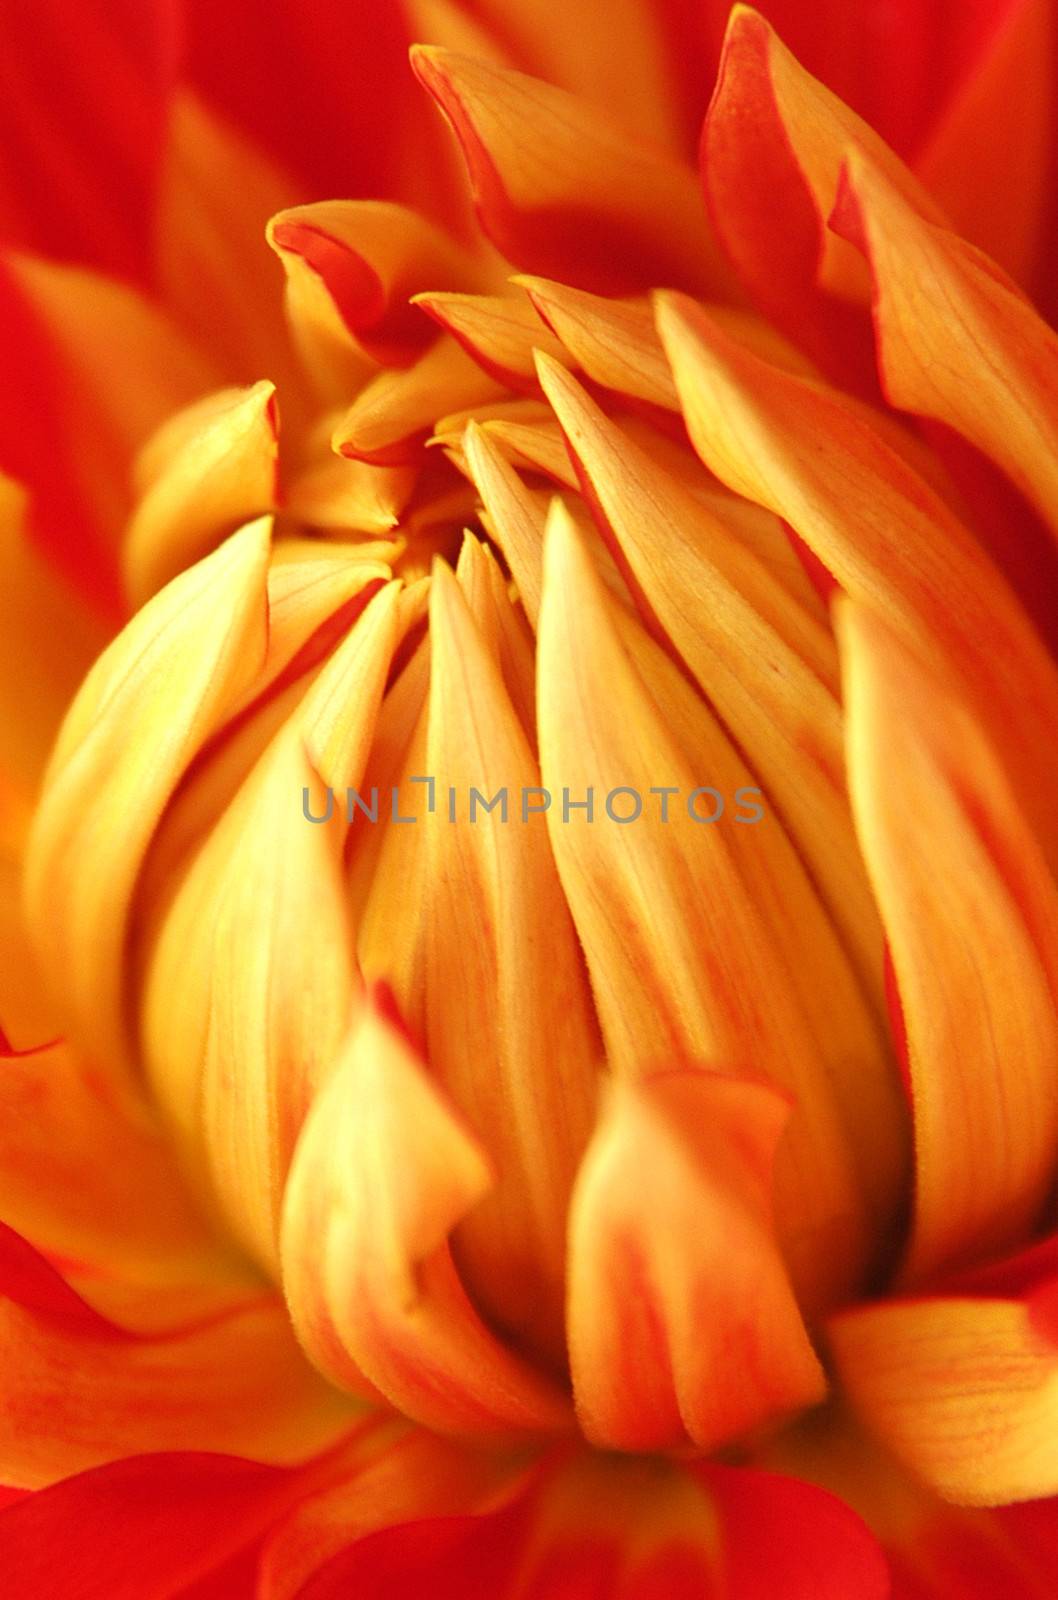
(447,1152)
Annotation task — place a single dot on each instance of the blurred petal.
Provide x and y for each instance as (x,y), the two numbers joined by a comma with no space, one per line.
(249,972)
(562,189)
(814,458)
(80,1392)
(382,1174)
(649,1370)
(220,472)
(173,669)
(389,419)
(82,125)
(949,850)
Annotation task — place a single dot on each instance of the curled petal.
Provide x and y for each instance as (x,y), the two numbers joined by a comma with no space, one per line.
(651,1367)
(949,850)
(147,705)
(382,1175)
(586,199)
(391,416)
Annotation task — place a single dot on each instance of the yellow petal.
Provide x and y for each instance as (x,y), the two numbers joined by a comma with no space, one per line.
(492,907)
(392,414)
(502,625)
(650,1370)
(382,1175)
(347,495)
(517,514)
(971,914)
(499,332)
(146,707)
(814,458)
(679,978)
(249,976)
(221,475)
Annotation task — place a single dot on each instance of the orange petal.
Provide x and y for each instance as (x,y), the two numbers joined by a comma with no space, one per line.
(370,257)
(382,1175)
(678,978)
(78,1391)
(815,458)
(956,341)
(499,332)
(962,1388)
(772,146)
(767,665)
(391,416)
(516,513)
(502,625)
(562,189)
(220,474)
(971,915)
(347,495)
(249,974)
(490,994)
(91,1183)
(650,1371)
(144,710)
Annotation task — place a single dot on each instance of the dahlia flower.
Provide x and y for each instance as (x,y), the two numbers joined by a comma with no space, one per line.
(528,885)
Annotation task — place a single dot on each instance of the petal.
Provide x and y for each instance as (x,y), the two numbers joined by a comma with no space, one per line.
(491,995)
(499,332)
(767,666)
(515,511)
(652,1369)
(82,127)
(772,146)
(562,189)
(949,850)
(350,496)
(79,1392)
(964,1391)
(145,708)
(91,1183)
(370,257)
(815,459)
(248,967)
(382,1175)
(678,978)
(389,417)
(957,342)
(219,472)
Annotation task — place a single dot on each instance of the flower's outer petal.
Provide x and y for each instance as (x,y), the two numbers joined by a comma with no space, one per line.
(147,705)
(957,341)
(503,975)
(814,459)
(768,667)
(249,974)
(221,474)
(370,257)
(562,189)
(97,1187)
(961,1386)
(651,1367)
(607,1527)
(382,1174)
(948,848)
(216,192)
(678,978)
(499,331)
(140,1529)
(124,366)
(47,642)
(392,414)
(79,1391)
(413,1475)
(772,147)
(82,126)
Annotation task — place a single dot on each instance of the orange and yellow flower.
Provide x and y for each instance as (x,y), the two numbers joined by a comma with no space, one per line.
(642,1184)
